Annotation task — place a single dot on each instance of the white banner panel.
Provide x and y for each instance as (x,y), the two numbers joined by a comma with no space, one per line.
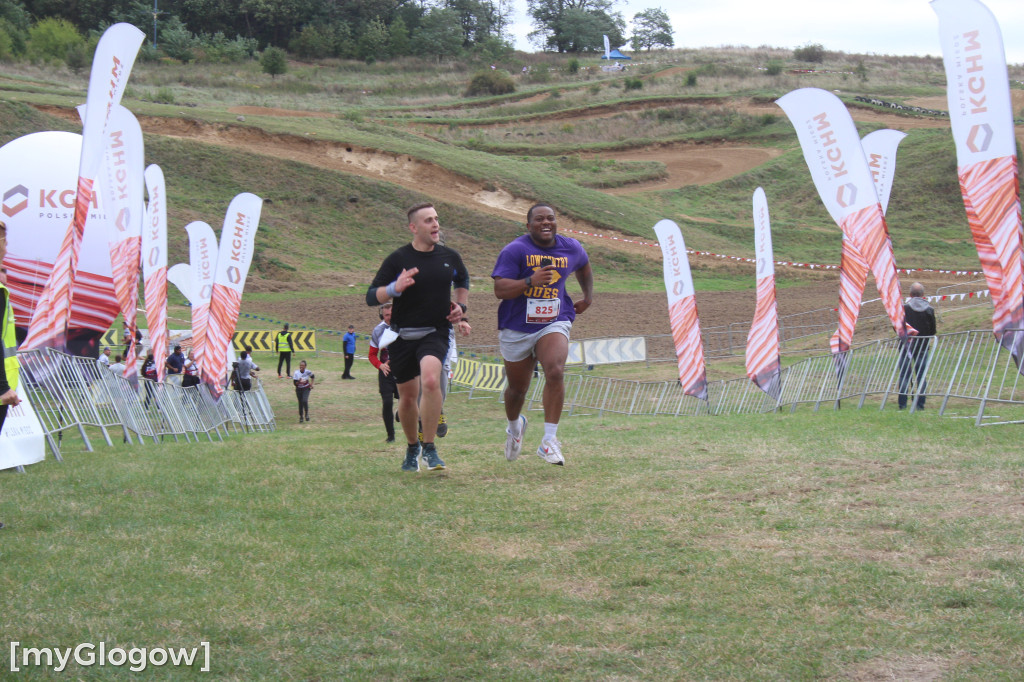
(23,441)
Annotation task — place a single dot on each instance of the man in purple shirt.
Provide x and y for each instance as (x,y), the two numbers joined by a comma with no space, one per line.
(534,319)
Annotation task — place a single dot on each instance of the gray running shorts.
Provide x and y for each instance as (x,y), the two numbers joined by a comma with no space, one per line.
(516,346)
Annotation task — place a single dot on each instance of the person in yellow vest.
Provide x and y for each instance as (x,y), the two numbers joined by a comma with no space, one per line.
(283,345)
(9,367)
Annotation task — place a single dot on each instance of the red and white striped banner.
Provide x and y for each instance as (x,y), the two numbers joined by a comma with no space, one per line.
(982,121)
(122,181)
(202,247)
(839,168)
(112,64)
(682,308)
(154,265)
(853,276)
(234,256)
(763,356)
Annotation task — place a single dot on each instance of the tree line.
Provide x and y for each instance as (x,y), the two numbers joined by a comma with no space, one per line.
(370,30)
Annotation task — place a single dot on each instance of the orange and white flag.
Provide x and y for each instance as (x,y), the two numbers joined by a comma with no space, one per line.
(121,179)
(234,256)
(682,309)
(880,152)
(763,356)
(839,168)
(154,266)
(202,249)
(111,66)
(981,116)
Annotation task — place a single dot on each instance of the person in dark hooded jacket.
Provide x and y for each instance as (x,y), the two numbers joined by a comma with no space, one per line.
(914,355)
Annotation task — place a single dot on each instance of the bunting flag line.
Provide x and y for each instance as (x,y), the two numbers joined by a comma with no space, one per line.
(682,308)
(111,66)
(981,116)
(154,266)
(763,359)
(780,263)
(234,256)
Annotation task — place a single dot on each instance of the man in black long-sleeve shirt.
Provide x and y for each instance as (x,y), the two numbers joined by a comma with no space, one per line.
(418,279)
(914,356)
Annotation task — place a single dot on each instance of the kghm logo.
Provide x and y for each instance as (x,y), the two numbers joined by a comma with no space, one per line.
(677,288)
(124,217)
(846,195)
(234,274)
(979,138)
(15,200)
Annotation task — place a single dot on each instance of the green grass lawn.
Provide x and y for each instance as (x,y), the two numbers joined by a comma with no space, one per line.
(835,545)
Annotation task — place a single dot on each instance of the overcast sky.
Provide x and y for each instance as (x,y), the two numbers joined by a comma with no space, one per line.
(898,27)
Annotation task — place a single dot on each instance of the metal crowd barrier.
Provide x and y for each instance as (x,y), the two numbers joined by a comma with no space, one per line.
(967,374)
(74,392)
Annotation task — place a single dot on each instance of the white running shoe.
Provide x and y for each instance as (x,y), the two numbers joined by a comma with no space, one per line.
(514,445)
(551,452)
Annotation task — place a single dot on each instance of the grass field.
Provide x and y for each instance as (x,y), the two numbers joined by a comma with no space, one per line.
(852,545)
(809,546)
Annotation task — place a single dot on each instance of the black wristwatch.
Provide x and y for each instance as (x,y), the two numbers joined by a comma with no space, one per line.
(461,305)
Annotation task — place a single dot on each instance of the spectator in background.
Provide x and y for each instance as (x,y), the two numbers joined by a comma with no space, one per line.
(245,369)
(350,351)
(175,362)
(303,379)
(379,358)
(914,356)
(104,359)
(148,371)
(117,367)
(283,346)
(127,339)
(191,371)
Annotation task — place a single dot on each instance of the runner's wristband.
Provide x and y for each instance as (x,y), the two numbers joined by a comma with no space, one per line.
(392,290)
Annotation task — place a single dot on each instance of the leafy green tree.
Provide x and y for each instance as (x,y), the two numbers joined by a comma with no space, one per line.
(439,34)
(274,61)
(480,19)
(15,22)
(311,42)
(177,41)
(373,43)
(6,42)
(652,28)
(51,38)
(560,25)
(399,43)
(493,49)
(85,15)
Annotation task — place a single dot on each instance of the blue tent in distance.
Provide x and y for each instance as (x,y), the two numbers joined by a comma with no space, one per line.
(615,54)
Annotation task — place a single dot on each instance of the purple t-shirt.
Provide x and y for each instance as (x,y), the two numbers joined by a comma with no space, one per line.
(519,260)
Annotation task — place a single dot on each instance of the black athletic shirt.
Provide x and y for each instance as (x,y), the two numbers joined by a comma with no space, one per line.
(428,301)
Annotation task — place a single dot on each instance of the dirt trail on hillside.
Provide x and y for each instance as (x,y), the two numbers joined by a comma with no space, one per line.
(687,164)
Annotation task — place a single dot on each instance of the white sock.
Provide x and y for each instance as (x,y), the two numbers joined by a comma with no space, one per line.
(514,427)
(550,431)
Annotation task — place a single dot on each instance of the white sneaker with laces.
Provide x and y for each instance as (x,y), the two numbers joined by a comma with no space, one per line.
(514,444)
(550,451)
